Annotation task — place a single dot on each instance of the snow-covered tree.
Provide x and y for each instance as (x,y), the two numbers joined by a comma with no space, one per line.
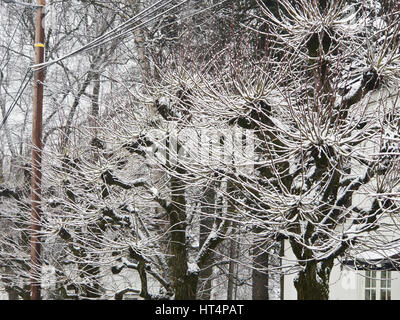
(322,108)
(183,153)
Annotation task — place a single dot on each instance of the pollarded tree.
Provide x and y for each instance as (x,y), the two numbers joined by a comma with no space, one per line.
(142,203)
(322,109)
(88,230)
(104,209)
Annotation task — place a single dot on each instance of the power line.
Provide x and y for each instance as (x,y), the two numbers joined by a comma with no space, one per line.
(9,45)
(102,39)
(180,19)
(119,31)
(24,4)
(20,91)
(24,84)
(95,43)
(143,14)
(116,33)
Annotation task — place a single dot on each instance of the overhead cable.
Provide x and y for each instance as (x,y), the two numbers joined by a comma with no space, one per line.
(20,91)
(29,5)
(116,32)
(126,28)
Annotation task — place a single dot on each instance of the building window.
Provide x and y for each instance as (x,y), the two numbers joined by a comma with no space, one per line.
(370,285)
(377,288)
(385,285)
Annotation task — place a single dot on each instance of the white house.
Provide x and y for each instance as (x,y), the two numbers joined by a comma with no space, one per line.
(371,275)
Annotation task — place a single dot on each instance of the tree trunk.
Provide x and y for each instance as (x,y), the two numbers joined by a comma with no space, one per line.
(183,283)
(93,120)
(12,294)
(206,224)
(282,276)
(313,282)
(260,278)
(1,171)
(232,264)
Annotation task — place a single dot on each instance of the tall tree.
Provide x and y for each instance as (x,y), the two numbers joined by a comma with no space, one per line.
(320,142)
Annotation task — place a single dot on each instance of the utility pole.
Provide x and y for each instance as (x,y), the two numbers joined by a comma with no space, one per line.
(35,241)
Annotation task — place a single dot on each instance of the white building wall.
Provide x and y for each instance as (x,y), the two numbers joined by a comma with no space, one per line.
(345,283)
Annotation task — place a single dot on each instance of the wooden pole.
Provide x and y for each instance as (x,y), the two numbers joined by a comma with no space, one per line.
(35,241)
